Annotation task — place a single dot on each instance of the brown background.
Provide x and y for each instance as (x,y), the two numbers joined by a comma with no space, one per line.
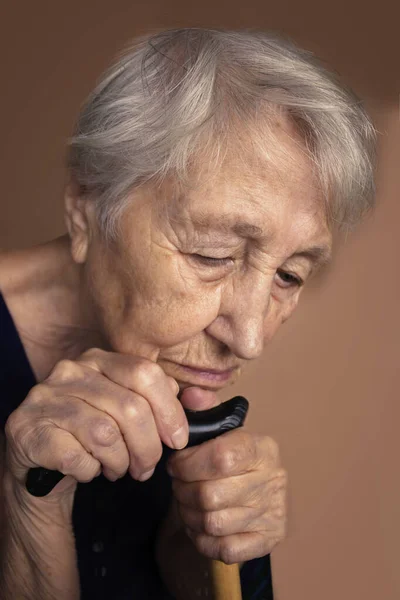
(327,387)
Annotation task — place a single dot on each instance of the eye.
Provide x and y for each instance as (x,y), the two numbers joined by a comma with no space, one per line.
(288,280)
(211,261)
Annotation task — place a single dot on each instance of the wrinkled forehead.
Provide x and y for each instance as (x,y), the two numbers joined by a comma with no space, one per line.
(270,168)
(276,209)
(259,157)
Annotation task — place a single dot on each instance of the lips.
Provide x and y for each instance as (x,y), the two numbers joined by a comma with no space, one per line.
(208,369)
(206,375)
(200,375)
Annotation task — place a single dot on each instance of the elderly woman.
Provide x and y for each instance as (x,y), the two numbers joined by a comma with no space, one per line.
(208,173)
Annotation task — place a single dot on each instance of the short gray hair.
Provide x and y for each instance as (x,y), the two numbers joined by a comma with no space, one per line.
(180,92)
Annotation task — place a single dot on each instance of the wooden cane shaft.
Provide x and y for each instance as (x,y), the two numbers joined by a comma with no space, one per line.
(225,581)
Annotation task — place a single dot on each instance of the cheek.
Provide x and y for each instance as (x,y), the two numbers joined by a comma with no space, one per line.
(150,299)
(162,309)
(290,307)
(279,315)
(182,317)
(172,304)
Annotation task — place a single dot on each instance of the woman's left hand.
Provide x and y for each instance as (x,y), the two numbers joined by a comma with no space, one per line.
(231,495)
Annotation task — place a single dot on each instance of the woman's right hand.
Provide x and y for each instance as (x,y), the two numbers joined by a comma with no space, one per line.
(104,412)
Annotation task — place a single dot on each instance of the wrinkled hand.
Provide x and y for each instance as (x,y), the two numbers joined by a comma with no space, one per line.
(104,412)
(231,495)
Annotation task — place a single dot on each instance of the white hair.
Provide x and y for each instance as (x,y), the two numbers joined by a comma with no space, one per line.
(179,94)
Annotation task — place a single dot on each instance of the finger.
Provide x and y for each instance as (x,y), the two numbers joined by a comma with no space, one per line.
(233,453)
(252,489)
(147,379)
(96,431)
(194,398)
(56,449)
(234,548)
(269,520)
(137,447)
(226,522)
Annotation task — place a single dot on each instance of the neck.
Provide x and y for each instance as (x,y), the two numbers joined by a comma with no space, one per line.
(45,293)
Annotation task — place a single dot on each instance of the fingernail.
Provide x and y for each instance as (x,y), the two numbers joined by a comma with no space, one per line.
(146,475)
(179,439)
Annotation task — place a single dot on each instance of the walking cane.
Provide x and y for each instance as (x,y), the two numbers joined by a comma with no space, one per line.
(225,581)
(203,425)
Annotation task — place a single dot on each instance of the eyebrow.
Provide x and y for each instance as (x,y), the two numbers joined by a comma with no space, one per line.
(319,255)
(239,227)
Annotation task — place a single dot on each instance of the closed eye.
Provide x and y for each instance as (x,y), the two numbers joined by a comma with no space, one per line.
(211,261)
(284,278)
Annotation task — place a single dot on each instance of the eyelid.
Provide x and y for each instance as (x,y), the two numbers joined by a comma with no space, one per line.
(212,260)
(298,281)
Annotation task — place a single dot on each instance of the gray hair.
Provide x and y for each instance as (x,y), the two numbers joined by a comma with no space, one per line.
(180,93)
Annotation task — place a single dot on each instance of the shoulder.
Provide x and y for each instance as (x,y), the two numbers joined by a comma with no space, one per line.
(11,281)
(14,271)
(20,277)
(6,259)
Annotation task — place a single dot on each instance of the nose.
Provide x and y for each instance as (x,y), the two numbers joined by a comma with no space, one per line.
(241,322)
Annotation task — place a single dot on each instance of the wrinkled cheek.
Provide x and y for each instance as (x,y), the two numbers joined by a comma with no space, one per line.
(290,308)
(183,321)
(162,322)
(275,319)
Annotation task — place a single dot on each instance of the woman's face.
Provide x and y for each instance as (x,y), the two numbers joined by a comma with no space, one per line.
(200,280)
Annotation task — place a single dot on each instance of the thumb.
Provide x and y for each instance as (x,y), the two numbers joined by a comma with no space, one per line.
(195,398)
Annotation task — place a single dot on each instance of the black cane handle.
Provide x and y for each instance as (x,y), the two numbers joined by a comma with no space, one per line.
(203,425)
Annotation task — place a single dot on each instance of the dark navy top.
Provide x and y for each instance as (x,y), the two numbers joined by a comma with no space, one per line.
(115,524)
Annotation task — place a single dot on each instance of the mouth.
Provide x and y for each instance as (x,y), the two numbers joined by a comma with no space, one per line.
(205,376)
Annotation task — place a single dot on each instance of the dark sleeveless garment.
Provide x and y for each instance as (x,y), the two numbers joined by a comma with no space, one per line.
(115,524)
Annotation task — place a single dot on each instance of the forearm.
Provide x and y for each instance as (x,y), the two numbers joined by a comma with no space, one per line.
(38,558)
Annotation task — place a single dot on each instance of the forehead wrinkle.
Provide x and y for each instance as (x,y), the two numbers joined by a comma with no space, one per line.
(239,227)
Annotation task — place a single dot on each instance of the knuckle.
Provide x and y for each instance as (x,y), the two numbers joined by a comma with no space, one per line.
(19,426)
(225,460)
(38,393)
(12,425)
(147,373)
(228,553)
(134,409)
(173,384)
(91,354)
(90,359)
(272,450)
(213,523)
(104,432)
(91,473)
(66,370)
(208,497)
(71,459)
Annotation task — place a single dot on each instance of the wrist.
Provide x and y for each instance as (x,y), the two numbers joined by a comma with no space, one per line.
(54,510)
(38,556)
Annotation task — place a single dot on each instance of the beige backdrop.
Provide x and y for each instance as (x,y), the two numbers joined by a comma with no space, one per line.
(327,388)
